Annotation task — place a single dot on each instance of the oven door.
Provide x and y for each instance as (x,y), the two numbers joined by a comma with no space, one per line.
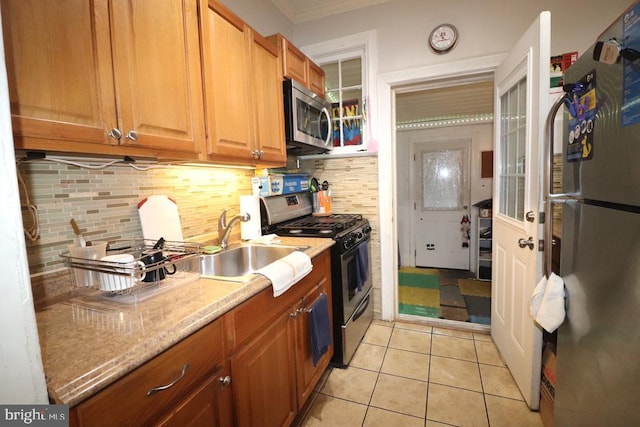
(353,288)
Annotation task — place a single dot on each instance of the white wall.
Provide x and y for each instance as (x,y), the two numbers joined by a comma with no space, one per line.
(262,15)
(21,374)
(481,140)
(486,27)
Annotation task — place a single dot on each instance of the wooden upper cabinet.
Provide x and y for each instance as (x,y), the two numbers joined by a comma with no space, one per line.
(316,79)
(243,92)
(158,74)
(78,69)
(58,58)
(294,62)
(297,66)
(226,42)
(268,101)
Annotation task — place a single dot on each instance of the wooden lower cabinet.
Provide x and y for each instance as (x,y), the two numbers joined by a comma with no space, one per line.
(164,387)
(251,367)
(203,407)
(307,374)
(272,368)
(263,375)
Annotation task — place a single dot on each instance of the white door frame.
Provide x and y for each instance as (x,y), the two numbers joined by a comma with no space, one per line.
(387,161)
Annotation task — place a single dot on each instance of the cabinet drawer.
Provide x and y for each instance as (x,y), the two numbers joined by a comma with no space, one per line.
(126,402)
(244,321)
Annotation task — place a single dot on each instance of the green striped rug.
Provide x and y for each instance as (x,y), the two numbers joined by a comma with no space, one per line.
(419,291)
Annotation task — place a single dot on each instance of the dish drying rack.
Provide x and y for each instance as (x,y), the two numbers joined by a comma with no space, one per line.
(89,273)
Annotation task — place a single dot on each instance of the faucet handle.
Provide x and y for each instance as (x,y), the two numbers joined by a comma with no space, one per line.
(222,221)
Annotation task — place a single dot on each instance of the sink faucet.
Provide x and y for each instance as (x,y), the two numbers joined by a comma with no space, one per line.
(224,230)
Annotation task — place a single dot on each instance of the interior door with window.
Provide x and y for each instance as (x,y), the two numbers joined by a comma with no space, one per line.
(441,194)
(521,91)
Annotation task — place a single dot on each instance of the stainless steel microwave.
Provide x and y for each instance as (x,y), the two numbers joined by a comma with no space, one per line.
(307,120)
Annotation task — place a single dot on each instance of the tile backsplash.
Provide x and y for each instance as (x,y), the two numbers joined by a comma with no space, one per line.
(104,202)
(354,189)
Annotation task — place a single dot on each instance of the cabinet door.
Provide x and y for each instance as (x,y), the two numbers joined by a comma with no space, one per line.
(263,377)
(294,63)
(268,100)
(147,393)
(202,407)
(157,73)
(226,50)
(307,374)
(59,69)
(316,78)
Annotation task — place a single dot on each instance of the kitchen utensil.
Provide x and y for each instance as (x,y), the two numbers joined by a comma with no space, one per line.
(159,218)
(314,186)
(126,273)
(155,267)
(159,244)
(79,237)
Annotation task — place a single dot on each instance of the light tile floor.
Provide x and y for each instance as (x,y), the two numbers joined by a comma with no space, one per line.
(406,374)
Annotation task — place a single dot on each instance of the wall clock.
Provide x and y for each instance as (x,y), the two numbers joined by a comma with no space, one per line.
(443,38)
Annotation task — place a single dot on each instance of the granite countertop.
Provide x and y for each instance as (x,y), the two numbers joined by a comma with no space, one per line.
(88,342)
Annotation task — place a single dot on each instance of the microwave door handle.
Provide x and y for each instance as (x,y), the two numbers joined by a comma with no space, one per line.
(326,113)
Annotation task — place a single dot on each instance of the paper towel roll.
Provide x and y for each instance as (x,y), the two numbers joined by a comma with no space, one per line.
(252,228)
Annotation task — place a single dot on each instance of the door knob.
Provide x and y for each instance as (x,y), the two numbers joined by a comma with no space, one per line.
(523,243)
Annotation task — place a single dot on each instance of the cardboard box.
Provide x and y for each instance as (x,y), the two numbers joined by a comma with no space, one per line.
(273,185)
(294,183)
(548,385)
(266,186)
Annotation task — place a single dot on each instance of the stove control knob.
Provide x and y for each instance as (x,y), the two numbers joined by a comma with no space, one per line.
(349,241)
(366,229)
(359,235)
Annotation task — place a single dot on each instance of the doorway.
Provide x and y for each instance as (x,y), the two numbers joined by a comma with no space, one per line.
(442,127)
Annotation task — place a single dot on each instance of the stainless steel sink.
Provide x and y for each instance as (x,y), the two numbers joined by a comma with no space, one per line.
(239,262)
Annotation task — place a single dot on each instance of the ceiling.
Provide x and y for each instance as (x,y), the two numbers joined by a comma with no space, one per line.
(307,10)
(442,103)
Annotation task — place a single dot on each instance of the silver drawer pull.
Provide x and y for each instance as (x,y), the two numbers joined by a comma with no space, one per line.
(171,384)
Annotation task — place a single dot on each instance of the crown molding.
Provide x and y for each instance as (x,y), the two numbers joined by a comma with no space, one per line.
(298,13)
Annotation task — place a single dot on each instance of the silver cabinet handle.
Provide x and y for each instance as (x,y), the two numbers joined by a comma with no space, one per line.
(171,384)
(132,135)
(523,243)
(225,381)
(115,133)
(260,153)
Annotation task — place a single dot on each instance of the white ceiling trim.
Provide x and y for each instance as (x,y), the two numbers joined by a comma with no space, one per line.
(286,8)
(298,11)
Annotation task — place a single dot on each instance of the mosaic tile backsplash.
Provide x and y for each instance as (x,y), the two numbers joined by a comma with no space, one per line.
(354,189)
(104,202)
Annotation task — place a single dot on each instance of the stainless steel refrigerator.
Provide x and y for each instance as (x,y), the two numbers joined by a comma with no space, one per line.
(598,345)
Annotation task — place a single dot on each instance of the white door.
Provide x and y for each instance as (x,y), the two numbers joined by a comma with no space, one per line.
(441,201)
(522,91)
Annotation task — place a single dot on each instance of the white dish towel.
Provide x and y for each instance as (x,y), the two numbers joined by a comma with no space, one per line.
(547,302)
(286,271)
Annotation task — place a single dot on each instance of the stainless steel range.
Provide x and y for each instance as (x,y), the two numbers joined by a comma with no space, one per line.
(291,215)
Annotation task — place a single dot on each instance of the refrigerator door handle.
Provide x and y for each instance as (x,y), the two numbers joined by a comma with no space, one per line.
(550,197)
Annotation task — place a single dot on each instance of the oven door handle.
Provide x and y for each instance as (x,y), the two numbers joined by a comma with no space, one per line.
(363,308)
